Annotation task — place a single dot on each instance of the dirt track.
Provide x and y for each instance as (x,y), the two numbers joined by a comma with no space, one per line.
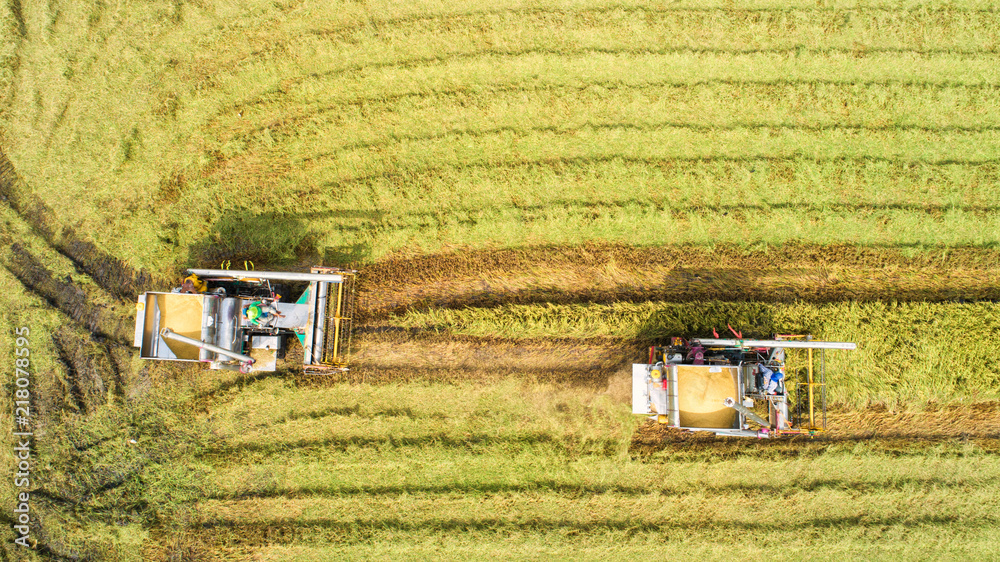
(651,441)
(609,273)
(402,356)
(876,430)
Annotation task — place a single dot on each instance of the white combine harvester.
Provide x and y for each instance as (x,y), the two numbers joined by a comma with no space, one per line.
(238,320)
(724,386)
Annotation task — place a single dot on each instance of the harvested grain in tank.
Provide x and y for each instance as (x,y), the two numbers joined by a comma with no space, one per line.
(701,392)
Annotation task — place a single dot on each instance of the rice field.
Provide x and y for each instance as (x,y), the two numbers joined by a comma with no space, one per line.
(534,471)
(535,191)
(364,130)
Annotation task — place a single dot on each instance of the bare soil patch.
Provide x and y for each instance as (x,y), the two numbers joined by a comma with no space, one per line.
(610,273)
(405,356)
(893,433)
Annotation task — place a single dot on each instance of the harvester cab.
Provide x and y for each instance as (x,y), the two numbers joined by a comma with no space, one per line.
(734,387)
(240,320)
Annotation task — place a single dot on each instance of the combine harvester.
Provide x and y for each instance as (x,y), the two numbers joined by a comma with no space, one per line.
(236,320)
(722,386)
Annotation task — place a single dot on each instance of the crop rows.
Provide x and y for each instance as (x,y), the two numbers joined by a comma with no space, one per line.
(460,478)
(370,123)
(390,14)
(804,153)
(475,125)
(609,28)
(581,67)
(857,33)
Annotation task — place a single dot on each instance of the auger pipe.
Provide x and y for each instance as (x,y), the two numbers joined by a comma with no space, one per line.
(745,411)
(170,334)
(272,275)
(779,343)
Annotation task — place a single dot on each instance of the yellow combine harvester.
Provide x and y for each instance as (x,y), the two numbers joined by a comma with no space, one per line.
(240,320)
(733,386)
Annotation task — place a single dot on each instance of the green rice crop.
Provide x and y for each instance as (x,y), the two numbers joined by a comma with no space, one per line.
(368,130)
(442,487)
(172,134)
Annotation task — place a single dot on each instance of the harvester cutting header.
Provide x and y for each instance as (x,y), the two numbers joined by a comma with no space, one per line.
(733,387)
(238,320)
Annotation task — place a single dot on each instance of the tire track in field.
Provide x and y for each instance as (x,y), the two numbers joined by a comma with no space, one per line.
(93,343)
(96,307)
(112,275)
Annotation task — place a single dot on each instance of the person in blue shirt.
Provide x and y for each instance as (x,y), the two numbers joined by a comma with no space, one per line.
(770,379)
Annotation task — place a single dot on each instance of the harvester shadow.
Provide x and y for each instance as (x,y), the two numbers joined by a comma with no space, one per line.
(279,241)
(238,381)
